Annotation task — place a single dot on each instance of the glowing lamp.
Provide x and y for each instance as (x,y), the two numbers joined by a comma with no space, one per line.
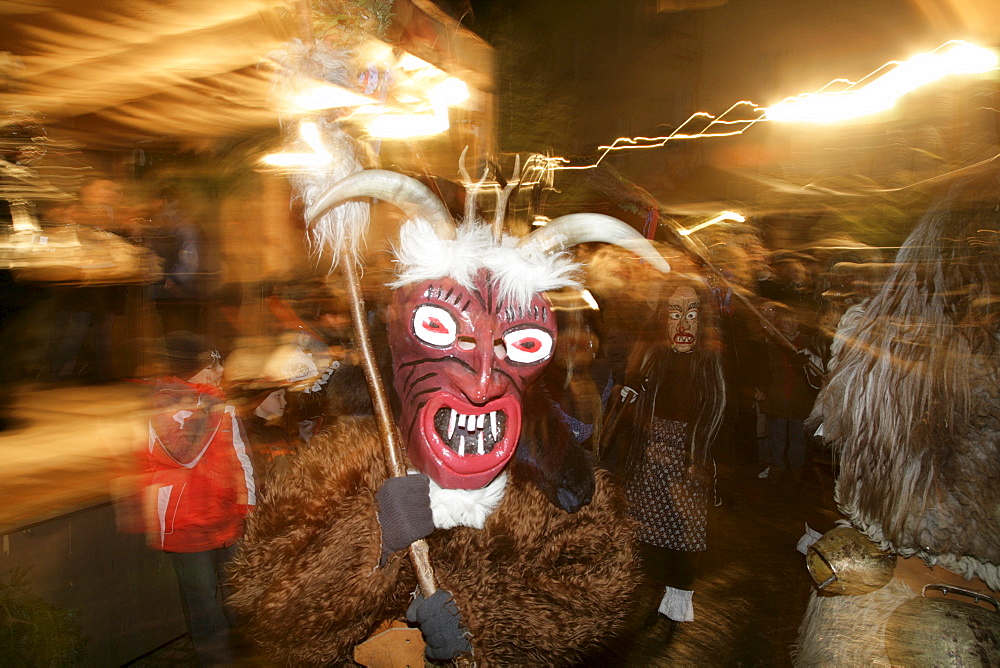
(449,92)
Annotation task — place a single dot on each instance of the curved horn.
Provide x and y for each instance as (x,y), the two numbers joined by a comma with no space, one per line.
(414,198)
(580,228)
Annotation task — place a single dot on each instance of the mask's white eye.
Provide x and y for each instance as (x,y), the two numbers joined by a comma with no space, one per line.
(434,325)
(692,315)
(528,345)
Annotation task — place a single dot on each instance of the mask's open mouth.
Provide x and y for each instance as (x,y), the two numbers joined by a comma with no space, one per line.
(475,433)
(471,441)
(684,338)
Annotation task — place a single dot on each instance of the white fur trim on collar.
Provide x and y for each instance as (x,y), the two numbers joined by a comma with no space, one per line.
(466,507)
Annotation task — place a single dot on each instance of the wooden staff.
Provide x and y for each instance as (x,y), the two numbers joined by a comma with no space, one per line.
(419,555)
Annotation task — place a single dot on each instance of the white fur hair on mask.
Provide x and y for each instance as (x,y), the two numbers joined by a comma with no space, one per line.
(518,274)
(343,228)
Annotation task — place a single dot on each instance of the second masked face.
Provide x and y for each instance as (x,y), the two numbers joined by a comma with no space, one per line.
(461,362)
(684,312)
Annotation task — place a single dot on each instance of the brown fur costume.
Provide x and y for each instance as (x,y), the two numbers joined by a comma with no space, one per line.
(912,412)
(535,586)
(912,409)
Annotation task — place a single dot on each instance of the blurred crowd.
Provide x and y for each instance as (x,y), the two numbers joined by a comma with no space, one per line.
(777,311)
(770,313)
(673,382)
(78,308)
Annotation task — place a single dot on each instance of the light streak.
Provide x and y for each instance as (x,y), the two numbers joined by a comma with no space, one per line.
(408,63)
(447,93)
(421,97)
(329,96)
(310,135)
(883,92)
(589,298)
(403,126)
(713,129)
(725,215)
(877,91)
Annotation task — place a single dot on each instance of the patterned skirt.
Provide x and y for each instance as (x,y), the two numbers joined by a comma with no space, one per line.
(670,505)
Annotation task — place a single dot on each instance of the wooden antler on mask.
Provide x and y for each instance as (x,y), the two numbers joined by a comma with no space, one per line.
(501,187)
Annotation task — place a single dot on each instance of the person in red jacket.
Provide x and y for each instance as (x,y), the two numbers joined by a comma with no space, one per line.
(200,487)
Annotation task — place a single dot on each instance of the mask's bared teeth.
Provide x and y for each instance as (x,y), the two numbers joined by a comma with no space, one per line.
(469,435)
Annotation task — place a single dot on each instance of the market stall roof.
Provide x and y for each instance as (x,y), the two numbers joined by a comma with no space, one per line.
(117,72)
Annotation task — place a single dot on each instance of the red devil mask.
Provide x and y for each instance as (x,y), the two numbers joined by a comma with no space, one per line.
(461,361)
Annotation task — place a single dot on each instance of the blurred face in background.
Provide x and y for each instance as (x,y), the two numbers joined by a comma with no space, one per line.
(788,325)
(733,262)
(575,348)
(273,406)
(781,318)
(794,274)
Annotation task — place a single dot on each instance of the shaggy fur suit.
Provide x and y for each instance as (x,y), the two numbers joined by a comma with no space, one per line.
(535,586)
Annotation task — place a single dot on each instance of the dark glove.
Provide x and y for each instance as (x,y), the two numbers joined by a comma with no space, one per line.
(404,512)
(441,623)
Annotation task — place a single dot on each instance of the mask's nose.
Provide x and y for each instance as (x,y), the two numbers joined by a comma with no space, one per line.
(483,384)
